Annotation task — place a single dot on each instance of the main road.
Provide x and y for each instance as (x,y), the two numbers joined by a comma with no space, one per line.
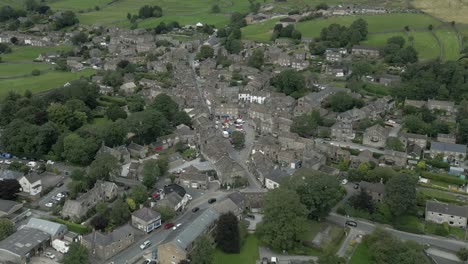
(367,228)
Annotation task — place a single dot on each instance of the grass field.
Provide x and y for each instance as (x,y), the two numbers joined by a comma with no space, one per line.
(260,31)
(450,42)
(447,10)
(29,53)
(20,69)
(381,39)
(361,255)
(248,255)
(40,83)
(426,45)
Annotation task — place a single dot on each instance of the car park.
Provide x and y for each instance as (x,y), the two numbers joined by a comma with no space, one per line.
(145,245)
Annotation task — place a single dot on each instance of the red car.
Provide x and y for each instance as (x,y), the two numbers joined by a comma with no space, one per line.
(168,225)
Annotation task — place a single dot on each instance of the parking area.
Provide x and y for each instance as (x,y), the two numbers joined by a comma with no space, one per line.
(48,198)
(50,256)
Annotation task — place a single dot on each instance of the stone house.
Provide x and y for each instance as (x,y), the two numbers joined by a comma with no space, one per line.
(226,110)
(447,106)
(454,215)
(137,151)
(375,136)
(375,190)
(452,153)
(336,70)
(146,219)
(179,246)
(101,192)
(394,158)
(104,246)
(194,178)
(447,138)
(334,55)
(352,115)
(365,51)
(342,131)
(413,139)
(364,156)
(31,184)
(415,103)
(274,178)
(229,170)
(128,88)
(388,79)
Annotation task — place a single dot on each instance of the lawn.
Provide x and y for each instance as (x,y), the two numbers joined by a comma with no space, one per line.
(313,228)
(450,42)
(376,89)
(248,255)
(182,11)
(35,84)
(260,31)
(426,45)
(361,255)
(29,53)
(381,39)
(82,5)
(20,69)
(447,10)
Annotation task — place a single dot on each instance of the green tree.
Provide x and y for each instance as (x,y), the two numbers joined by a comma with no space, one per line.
(103,167)
(79,150)
(401,193)
(289,82)
(215,9)
(139,194)
(79,38)
(361,69)
(6,228)
(238,139)
(330,258)
(306,125)
(167,213)
(206,52)
(9,188)
(120,213)
(257,59)
(77,254)
(151,173)
(463,131)
(67,18)
(362,201)
(394,143)
(228,234)
(463,254)
(203,251)
(114,112)
(319,192)
(284,219)
(341,102)
(135,103)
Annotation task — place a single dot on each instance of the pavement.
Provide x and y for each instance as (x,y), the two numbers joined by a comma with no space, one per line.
(367,227)
(353,235)
(133,253)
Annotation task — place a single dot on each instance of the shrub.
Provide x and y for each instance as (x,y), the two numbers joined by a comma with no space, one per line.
(443,178)
(35,72)
(77,228)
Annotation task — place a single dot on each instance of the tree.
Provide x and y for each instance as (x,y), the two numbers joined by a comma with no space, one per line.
(321,6)
(360,25)
(397,40)
(151,173)
(330,258)
(463,131)
(135,103)
(139,194)
(284,219)
(238,139)
(430,27)
(215,9)
(317,191)
(462,253)
(79,150)
(68,18)
(203,251)
(167,213)
(77,254)
(6,228)
(120,213)
(362,201)
(306,124)
(115,112)
(237,20)
(79,38)
(257,59)
(206,51)
(289,82)
(341,102)
(227,233)
(394,143)
(99,222)
(103,167)
(401,193)
(9,188)
(361,69)
(164,104)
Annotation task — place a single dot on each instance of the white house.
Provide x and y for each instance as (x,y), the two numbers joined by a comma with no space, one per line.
(31,184)
(252,98)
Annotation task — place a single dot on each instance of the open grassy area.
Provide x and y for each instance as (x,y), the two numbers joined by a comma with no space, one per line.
(40,83)
(447,10)
(29,53)
(313,228)
(450,42)
(426,45)
(260,31)
(381,39)
(248,255)
(21,69)
(361,255)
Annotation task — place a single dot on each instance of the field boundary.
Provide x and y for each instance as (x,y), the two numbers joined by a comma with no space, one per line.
(441,45)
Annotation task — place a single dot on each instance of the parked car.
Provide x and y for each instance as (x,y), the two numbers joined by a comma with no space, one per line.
(145,245)
(49,204)
(250,216)
(175,227)
(49,255)
(195,209)
(60,184)
(8,162)
(344,181)
(60,195)
(212,200)
(356,186)
(168,225)
(351,223)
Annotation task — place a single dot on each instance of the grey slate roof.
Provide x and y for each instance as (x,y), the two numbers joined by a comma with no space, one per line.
(197,227)
(445,208)
(9,174)
(49,227)
(109,238)
(146,214)
(277,175)
(23,241)
(33,177)
(440,146)
(373,187)
(7,205)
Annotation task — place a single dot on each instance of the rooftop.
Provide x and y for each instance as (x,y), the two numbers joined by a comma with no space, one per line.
(23,241)
(49,227)
(440,146)
(146,214)
(445,208)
